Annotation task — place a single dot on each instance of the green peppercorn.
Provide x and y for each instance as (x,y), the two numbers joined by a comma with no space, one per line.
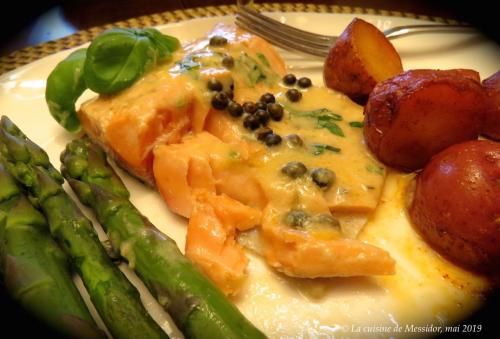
(272,139)
(263,132)
(214,85)
(235,109)
(296,219)
(289,79)
(304,82)
(275,111)
(293,140)
(228,61)
(251,122)
(217,40)
(220,101)
(294,169)
(267,98)
(249,107)
(293,95)
(263,116)
(323,177)
(261,105)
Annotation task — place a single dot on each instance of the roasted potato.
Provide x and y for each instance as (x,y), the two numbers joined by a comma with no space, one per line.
(360,58)
(490,126)
(418,113)
(456,204)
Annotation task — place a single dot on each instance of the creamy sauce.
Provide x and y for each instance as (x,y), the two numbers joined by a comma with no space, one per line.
(171,105)
(426,289)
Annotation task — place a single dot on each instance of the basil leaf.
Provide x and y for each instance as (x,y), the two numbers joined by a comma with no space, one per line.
(165,44)
(65,84)
(120,56)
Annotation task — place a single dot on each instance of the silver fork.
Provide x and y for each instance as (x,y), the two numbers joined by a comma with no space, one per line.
(295,39)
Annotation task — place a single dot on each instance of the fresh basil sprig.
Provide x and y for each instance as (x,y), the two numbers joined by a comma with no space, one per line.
(114,61)
(119,56)
(65,84)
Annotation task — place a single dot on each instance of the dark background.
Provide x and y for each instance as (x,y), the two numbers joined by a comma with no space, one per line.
(16,23)
(17,19)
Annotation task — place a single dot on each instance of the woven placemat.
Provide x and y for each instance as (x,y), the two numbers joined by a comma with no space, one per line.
(30,54)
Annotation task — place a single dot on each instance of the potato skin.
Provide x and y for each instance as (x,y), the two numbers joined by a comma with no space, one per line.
(456,205)
(346,70)
(490,126)
(418,113)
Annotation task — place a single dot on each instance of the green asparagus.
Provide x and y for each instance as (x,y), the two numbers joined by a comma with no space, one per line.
(199,309)
(115,298)
(34,269)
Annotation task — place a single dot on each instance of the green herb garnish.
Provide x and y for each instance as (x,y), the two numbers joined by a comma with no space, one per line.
(114,61)
(263,59)
(375,169)
(357,124)
(318,149)
(120,56)
(65,84)
(324,119)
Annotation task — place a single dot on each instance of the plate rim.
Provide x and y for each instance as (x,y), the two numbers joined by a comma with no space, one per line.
(30,54)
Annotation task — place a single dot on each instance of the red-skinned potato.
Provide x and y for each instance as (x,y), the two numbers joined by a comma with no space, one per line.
(490,126)
(456,204)
(360,58)
(418,113)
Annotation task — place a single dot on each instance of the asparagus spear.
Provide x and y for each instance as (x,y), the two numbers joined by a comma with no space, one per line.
(114,297)
(199,309)
(35,271)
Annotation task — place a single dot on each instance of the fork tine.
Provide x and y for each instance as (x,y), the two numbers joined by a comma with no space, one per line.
(277,39)
(294,33)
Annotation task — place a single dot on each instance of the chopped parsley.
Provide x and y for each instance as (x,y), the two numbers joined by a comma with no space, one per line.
(263,59)
(318,149)
(357,124)
(324,119)
(375,169)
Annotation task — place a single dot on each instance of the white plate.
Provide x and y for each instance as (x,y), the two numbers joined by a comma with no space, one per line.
(282,307)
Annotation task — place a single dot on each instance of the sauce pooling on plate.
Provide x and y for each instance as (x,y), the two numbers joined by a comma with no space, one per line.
(234,146)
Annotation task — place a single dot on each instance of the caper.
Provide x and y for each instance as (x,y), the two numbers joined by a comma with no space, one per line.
(263,116)
(304,82)
(251,122)
(230,94)
(323,177)
(326,218)
(272,139)
(267,98)
(228,61)
(294,169)
(217,40)
(220,101)
(214,85)
(235,109)
(289,79)
(275,110)
(249,107)
(263,132)
(293,95)
(293,140)
(296,218)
